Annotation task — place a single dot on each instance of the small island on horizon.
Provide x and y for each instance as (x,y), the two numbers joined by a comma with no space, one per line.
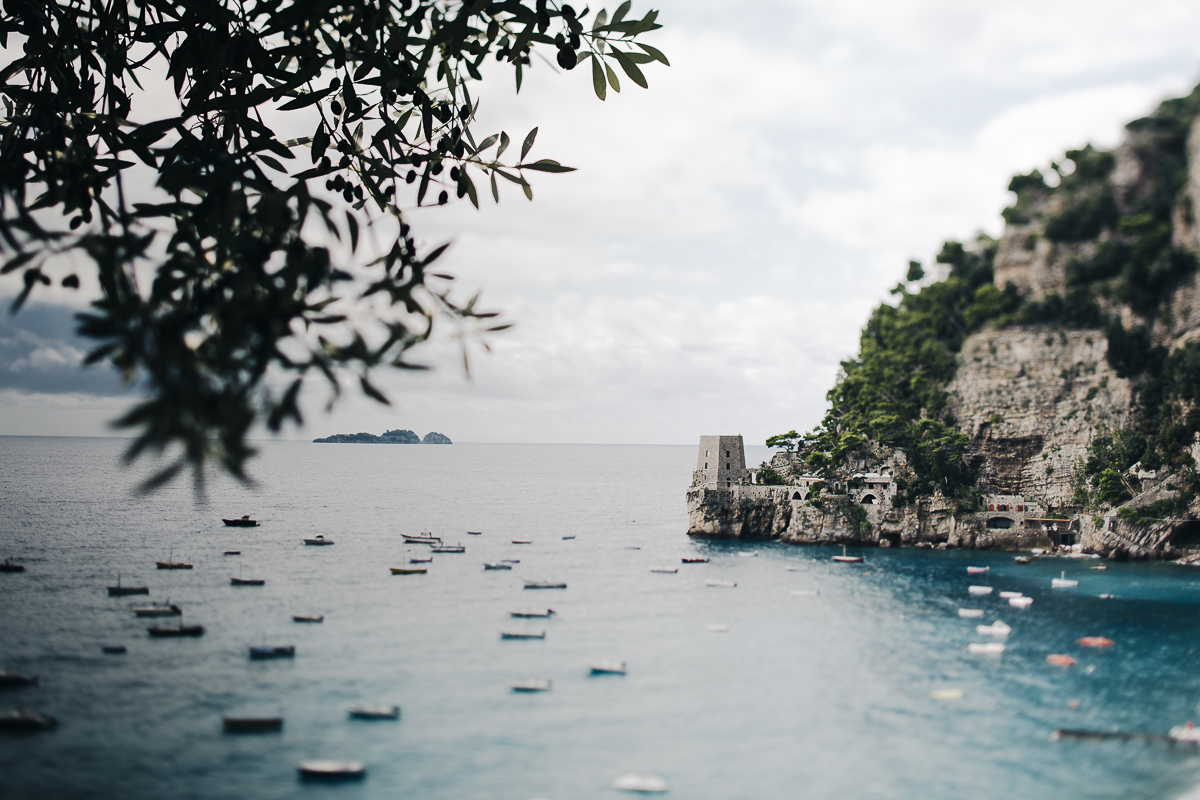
(388,437)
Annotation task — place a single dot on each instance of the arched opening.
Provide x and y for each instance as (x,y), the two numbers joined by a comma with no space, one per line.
(889,540)
(1000,523)
(1186,534)
(808,495)
(868,500)
(796,496)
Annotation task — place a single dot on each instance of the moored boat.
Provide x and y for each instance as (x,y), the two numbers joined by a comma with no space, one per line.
(1009,595)
(997,628)
(643,784)
(695,561)
(544,585)
(721,584)
(1063,582)
(522,541)
(259,653)
(1060,660)
(531,613)
(157,610)
(474,533)
(845,559)
(243,522)
(252,724)
(308,617)
(1188,732)
(424,537)
(173,564)
(1022,560)
(26,721)
(1020,602)
(363,711)
(421,560)
(607,668)
(232,553)
(8,565)
(970,613)
(448,548)
(16,679)
(979,590)
(403,571)
(122,591)
(671,570)
(977,570)
(986,648)
(490,565)
(1096,641)
(318,541)
(522,634)
(331,770)
(179,630)
(247,582)
(531,685)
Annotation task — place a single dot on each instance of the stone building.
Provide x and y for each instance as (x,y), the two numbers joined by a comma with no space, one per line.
(720,462)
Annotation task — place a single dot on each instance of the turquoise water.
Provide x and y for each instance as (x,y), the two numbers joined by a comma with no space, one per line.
(825,696)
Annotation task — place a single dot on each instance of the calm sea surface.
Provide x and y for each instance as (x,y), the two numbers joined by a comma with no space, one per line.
(825,696)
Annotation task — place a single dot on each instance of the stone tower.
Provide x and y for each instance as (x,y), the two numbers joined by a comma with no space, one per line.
(721,461)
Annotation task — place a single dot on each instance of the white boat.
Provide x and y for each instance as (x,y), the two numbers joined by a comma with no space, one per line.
(718,628)
(986,648)
(721,584)
(748,555)
(1100,566)
(607,667)
(1063,583)
(424,537)
(644,784)
(489,565)
(535,612)
(845,559)
(448,548)
(318,541)
(970,613)
(805,592)
(977,570)
(332,770)
(1010,595)
(997,628)
(373,712)
(531,685)
(157,610)
(1188,732)
(979,589)
(522,634)
(1105,596)
(670,570)
(1020,602)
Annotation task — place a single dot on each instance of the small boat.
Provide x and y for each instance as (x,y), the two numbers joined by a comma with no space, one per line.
(1100,566)
(1188,732)
(122,591)
(232,553)
(607,668)
(1060,660)
(721,584)
(474,533)
(544,585)
(8,565)
(331,770)
(1010,595)
(114,649)
(318,541)
(421,560)
(247,582)
(531,685)
(424,537)
(488,565)
(718,628)
(845,559)
(1096,641)
(980,590)
(449,548)
(26,721)
(252,724)
(242,522)
(308,618)
(753,554)
(522,541)
(1022,560)
(1063,583)
(997,628)
(510,561)
(548,612)
(362,711)
(671,570)
(643,784)
(1105,596)
(970,613)
(986,648)
(266,651)
(633,548)
(16,679)
(157,610)
(567,538)
(522,635)
(805,592)
(172,564)
(402,571)
(977,570)
(1020,602)
(179,630)
(695,561)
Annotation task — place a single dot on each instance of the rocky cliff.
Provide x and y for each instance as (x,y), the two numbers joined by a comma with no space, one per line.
(1045,393)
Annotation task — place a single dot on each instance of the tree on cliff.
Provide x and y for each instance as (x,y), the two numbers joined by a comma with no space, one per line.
(244,259)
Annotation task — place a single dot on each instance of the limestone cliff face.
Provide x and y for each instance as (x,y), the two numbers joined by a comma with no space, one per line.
(1032,400)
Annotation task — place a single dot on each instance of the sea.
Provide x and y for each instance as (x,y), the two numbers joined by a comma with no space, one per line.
(806,679)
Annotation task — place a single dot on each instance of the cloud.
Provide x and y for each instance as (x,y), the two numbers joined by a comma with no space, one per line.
(40,353)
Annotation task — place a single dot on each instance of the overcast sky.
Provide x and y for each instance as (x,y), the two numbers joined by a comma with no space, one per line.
(729,230)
